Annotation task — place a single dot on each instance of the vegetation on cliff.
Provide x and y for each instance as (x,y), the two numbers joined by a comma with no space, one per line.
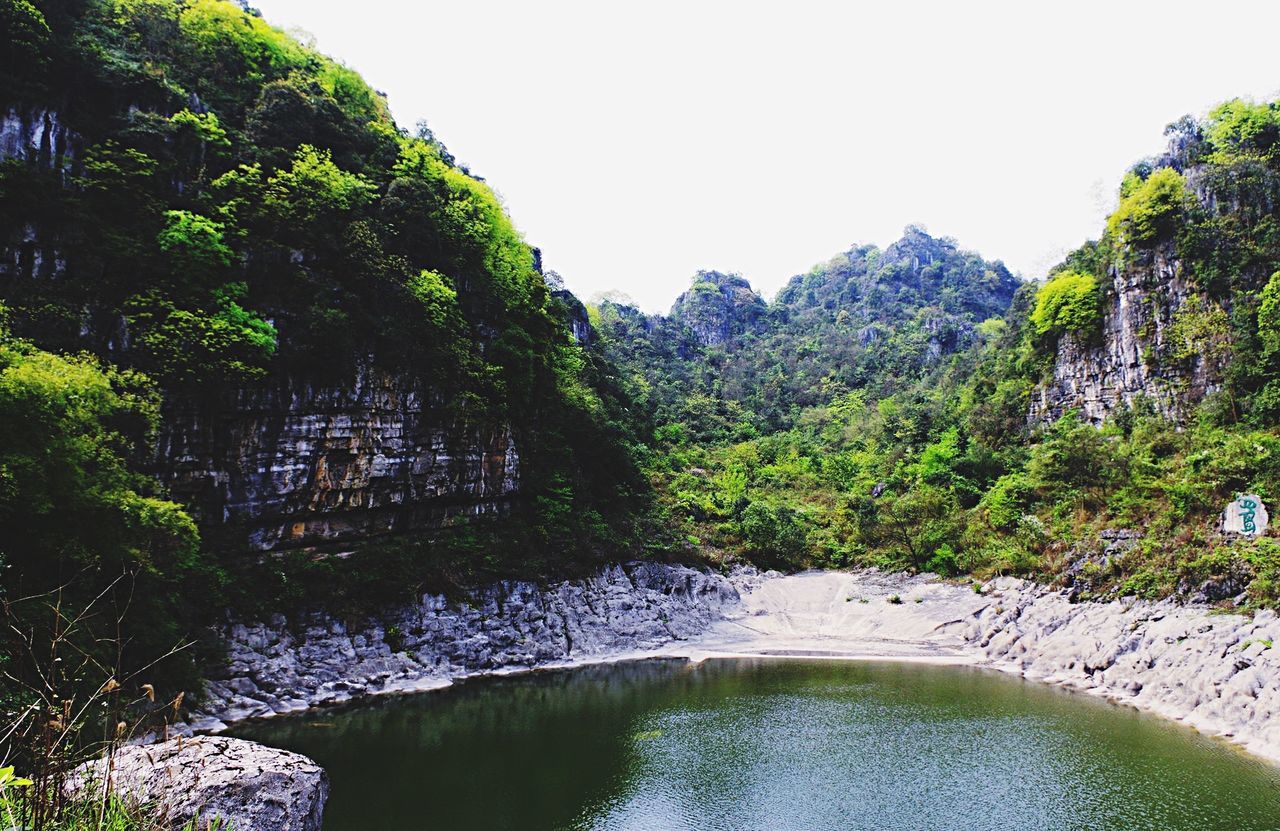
(884,420)
(215,207)
(200,205)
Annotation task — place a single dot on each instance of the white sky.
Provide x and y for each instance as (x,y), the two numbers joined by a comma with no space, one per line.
(636,143)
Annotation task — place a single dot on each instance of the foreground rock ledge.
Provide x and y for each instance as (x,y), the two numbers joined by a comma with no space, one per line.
(248,786)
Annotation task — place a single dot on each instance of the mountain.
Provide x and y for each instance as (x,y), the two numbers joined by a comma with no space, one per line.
(725,363)
(718,309)
(919,408)
(1182,274)
(263,349)
(286,330)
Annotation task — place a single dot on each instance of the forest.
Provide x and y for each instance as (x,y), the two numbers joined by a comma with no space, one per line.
(882,410)
(210,206)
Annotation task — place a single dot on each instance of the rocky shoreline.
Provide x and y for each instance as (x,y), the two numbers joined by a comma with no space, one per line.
(1215,672)
(1218,673)
(277,666)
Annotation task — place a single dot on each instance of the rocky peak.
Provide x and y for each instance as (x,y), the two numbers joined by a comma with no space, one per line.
(916,272)
(719,307)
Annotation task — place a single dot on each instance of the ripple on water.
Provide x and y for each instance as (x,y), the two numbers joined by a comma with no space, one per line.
(738,745)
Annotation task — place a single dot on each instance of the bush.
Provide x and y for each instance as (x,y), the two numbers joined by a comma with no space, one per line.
(1068,302)
(1150,210)
(773,531)
(1238,128)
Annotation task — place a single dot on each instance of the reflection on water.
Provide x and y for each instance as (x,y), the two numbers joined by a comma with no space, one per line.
(771,745)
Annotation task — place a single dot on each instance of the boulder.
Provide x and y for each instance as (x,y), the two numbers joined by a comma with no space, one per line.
(249,786)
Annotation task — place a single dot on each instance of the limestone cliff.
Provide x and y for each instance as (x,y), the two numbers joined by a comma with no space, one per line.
(1131,359)
(348,334)
(294,463)
(1180,267)
(718,307)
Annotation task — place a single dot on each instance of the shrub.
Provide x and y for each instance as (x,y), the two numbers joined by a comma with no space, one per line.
(1068,302)
(1149,211)
(1239,127)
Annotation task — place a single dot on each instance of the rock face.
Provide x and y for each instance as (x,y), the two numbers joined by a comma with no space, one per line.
(249,786)
(37,135)
(273,667)
(297,464)
(576,313)
(718,307)
(1217,673)
(1131,358)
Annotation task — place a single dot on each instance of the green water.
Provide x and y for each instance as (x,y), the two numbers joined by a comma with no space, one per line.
(771,745)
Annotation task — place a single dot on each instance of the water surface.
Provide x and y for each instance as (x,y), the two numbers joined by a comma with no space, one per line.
(771,745)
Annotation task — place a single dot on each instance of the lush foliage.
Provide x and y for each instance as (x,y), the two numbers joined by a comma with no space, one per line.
(239,210)
(724,365)
(821,432)
(229,210)
(1149,208)
(1067,302)
(74,515)
(243,209)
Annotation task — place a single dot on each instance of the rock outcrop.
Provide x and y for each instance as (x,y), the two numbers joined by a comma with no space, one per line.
(275,667)
(1219,673)
(298,464)
(718,307)
(1131,357)
(248,786)
(38,135)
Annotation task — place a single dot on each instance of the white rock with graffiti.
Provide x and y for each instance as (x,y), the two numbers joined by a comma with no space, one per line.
(1245,515)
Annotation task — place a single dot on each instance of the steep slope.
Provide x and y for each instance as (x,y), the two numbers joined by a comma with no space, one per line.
(352,338)
(1180,270)
(917,408)
(718,309)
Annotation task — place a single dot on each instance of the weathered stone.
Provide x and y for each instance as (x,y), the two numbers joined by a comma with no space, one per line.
(719,307)
(294,464)
(622,610)
(1097,376)
(249,786)
(1216,672)
(1245,515)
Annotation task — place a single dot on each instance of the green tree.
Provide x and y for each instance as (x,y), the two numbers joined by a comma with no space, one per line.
(75,518)
(1150,211)
(1068,302)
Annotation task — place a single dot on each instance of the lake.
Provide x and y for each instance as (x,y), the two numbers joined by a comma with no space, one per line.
(773,745)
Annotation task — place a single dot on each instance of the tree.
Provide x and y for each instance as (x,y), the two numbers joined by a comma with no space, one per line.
(1149,209)
(77,520)
(1068,302)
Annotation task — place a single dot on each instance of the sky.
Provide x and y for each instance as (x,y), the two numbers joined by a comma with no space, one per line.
(637,142)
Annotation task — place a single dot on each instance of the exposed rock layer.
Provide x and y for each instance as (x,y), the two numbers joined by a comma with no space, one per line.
(1216,672)
(1219,673)
(298,464)
(1131,358)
